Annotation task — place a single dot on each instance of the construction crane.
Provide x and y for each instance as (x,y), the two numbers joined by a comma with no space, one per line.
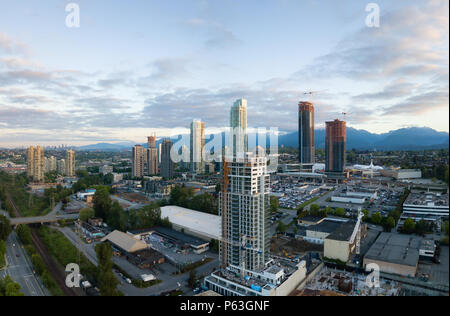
(311,93)
(345,116)
(356,235)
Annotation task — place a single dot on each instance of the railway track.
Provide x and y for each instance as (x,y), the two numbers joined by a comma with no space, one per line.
(53,268)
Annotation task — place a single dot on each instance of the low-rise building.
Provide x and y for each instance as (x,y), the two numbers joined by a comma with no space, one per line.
(395,254)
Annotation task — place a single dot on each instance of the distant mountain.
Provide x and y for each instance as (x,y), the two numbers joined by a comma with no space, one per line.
(104,147)
(413,138)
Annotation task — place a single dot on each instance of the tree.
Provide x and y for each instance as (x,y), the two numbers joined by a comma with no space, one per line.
(409,226)
(86,213)
(340,212)
(389,223)
(116,217)
(274,204)
(102,202)
(314,208)
(24,234)
(107,281)
(281,228)
(5,227)
(376,218)
(9,288)
(192,278)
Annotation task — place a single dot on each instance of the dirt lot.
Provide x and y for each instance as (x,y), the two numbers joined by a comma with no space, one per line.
(133,197)
(292,247)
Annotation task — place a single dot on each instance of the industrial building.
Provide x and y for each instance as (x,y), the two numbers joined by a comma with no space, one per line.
(395,254)
(124,243)
(179,239)
(427,206)
(402,174)
(202,225)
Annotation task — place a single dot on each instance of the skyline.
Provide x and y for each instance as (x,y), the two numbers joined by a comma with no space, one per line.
(118,78)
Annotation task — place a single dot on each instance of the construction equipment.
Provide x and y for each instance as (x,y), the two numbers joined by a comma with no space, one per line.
(345,116)
(357,232)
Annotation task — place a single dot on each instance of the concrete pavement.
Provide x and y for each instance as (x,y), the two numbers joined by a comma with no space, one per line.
(21,270)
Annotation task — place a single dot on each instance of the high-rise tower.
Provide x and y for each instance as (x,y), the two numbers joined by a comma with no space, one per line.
(138,162)
(238,125)
(70,163)
(152,156)
(167,165)
(306,133)
(335,143)
(36,163)
(197,143)
(244,207)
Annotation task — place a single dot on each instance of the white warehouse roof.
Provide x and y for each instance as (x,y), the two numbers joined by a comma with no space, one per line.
(201,223)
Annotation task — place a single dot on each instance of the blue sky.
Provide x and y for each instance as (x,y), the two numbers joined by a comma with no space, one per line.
(139,67)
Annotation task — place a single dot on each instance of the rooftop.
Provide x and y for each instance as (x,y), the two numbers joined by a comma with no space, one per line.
(427,199)
(396,248)
(202,223)
(343,232)
(326,227)
(125,241)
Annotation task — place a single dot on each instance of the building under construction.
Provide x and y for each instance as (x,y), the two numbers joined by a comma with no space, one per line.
(306,133)
(335,145)
(247,269)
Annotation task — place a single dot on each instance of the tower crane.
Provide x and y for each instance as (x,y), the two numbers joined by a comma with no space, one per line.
(345,116)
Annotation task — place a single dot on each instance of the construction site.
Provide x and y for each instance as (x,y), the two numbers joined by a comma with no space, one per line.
(291,248)
(329,281)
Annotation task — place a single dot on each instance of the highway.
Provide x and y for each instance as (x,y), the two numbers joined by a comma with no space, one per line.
(20,268)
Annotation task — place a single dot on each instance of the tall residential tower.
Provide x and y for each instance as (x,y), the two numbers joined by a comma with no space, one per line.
(35,163)
(197,143)
(138,162)
(335,143)
(238,125)
(152,156)
(306,133)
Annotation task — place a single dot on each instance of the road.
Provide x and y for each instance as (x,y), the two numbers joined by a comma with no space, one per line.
(20,268)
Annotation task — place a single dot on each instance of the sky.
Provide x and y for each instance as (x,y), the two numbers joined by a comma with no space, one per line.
(141,67)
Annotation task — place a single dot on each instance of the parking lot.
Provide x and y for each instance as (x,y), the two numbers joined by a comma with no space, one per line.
(437,273)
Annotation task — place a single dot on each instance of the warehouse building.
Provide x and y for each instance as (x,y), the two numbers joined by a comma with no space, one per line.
(124,243)
(395,254)
(198,224)
(178,239)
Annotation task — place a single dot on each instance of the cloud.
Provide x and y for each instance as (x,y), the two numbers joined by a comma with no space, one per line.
(11,46)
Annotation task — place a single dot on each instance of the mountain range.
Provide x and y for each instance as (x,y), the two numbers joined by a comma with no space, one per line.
(412,138)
